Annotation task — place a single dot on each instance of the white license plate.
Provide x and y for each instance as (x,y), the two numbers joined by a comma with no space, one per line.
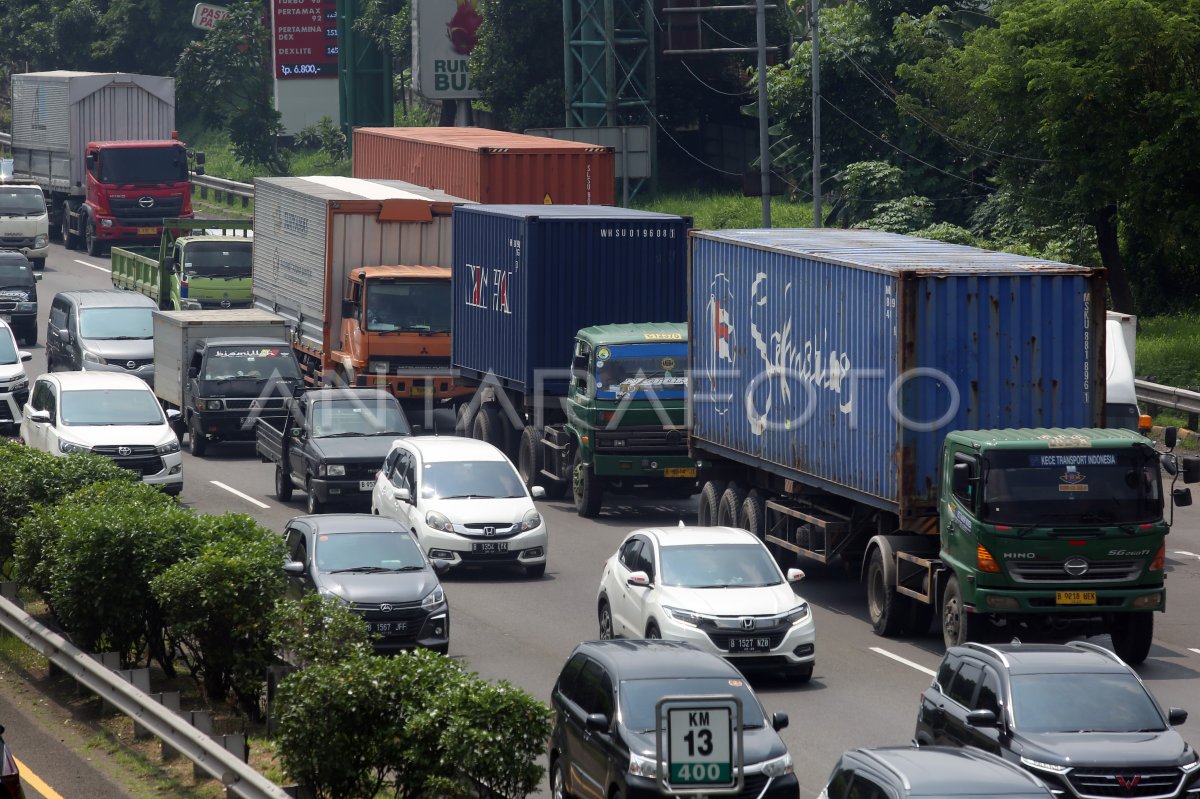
(366,485)
(387,627)
(749,644)
(490,547)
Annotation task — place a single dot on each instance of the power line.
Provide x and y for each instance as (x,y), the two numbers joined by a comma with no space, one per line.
(707,86)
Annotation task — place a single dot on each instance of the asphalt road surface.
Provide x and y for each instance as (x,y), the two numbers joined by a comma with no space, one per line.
(505,626)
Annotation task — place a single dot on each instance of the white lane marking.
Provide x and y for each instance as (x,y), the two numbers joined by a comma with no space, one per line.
(905,661)
(1197,651)
(1185,552)
(93,266)
(237,493)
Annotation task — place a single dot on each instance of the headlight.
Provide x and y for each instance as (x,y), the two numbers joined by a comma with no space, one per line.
(531,520)
(336,470)
(18,384)
(1047,767)
(168,448)
(798,614)
(778,767)
(438,521)
(39,242)
(67,447)
(1190,767)
(91,357)
(685,616)
(26,306)
(106,223)
(214,405)
(643,766)
(325,592)
(433,599)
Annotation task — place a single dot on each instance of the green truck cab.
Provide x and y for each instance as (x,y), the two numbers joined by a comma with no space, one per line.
(625,426)
(1066,525)
(198,264)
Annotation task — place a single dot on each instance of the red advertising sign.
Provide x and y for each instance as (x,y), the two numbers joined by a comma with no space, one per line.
(305,38)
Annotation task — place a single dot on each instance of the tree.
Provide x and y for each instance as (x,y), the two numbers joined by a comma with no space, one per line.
(518,63)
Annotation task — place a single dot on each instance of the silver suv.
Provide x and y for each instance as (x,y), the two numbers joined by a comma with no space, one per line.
(101,330)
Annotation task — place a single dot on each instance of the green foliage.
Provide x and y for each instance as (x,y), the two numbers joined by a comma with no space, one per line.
(1168,350)
(863,185)
(518,63)
(216,605)
(945,231)
(316,630)
(903,215)
(326,138)
(721,210)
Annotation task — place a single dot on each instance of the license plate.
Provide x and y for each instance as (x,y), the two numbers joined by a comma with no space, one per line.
(419,391)
(749,644)
(1075,598)
(681,471)
(387,626)
(366,485)
(490,547)
(147,231)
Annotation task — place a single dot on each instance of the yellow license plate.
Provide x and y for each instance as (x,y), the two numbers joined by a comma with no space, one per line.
(1075,597)
(419,391)
(682,471)
(147,231)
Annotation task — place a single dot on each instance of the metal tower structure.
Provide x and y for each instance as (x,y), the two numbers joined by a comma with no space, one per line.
(364,76)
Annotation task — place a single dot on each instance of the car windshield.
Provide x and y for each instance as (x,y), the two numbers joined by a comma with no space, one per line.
(15,272)
(382,551)
(719,566)
(1083,703)
(143,165)
(251,363)
(217,259)
(116,323)
(22,202)
(354,417)
(471,480)
(410,307)
(625,369)
(638,698)
(102,407)
(1072,487)
(8,347)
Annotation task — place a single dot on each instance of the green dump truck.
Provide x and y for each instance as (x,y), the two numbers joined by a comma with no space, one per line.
(199,264)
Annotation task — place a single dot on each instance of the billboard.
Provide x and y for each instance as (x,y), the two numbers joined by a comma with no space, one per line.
(444,34)
(304,38)
(205,16)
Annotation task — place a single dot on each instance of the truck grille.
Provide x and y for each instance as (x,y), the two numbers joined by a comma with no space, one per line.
(8,305)
(15,242)
(1126,783)
(255,404)
(398,365)
(223,304)
(641,440)
(129,211)
(1053,571)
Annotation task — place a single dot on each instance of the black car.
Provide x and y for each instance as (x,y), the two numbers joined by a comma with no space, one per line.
(604,743)
(376,567)
(19,296)
(1075,715)
(905,772)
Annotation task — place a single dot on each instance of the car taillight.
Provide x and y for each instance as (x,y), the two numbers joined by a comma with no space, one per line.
(1160,559)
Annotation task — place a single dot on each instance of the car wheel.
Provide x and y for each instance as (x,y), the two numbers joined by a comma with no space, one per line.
(95,247)
(529,456)
(730,505)
(710,500)
(558,785)
(652,632)
(197,443)
(534,572)
(802,673)
(1132,635)
(606,622)
(589,494)
(283,485)
(312,503)
(958,626)
(883,603)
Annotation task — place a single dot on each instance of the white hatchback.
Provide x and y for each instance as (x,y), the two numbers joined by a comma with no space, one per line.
(465,502)
(106,413)
(14,383)
(715,587)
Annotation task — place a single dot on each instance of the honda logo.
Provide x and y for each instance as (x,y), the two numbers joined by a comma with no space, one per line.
(1129,783)
(489,531)
(386,608)
(146,202)
(747,623)
(124,451)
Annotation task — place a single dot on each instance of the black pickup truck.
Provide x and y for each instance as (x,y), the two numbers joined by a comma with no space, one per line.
(331,443)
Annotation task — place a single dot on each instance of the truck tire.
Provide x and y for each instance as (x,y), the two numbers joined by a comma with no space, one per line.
(197,443)
(588,492)
(1132,635)
(70,240)
(730,505)
(529,457)
(958,626)
(465,420)
(753,514)
(95,247)
(283,485)
(710,500)
(884,606)
(486,426)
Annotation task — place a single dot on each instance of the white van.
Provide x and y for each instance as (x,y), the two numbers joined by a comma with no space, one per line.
(1121,410)
(24,222)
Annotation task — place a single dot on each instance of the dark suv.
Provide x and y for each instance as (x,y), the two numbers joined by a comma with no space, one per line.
(19,296)
(1075,715)
(905,772)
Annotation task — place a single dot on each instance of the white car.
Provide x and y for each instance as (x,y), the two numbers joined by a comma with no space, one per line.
(14,384)
(715,587)
(465,502)
(105,413)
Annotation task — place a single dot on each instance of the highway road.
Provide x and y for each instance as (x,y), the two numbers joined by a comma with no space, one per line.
(504,626)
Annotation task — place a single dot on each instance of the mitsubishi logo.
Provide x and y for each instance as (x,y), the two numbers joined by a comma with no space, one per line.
(489,531)
(124,451)
(146,202)
(1076,567)
(386,608)
(747,623)
(1129,783)
(255,405)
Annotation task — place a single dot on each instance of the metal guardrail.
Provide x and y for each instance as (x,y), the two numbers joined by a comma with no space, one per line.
(1178,399)
(172,729)
(231,188)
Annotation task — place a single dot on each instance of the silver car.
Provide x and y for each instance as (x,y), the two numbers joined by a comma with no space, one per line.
(101,330)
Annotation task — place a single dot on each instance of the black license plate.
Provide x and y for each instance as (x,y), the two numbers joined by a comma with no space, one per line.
(387,626)
(749,644)
(490,547)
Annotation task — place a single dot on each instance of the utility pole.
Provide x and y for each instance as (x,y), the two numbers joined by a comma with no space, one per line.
(764,138)
(816,117)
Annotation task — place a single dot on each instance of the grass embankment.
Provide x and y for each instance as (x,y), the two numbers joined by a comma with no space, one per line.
(713,211)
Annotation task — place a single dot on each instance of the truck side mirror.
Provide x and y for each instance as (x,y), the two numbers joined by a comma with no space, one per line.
(347,308)
(1191,470)
(960,478)
(199,160)
(173,266)
(199,170)
(1170,437)
(297,432)
(1182,497)
(90,160)
(193,372)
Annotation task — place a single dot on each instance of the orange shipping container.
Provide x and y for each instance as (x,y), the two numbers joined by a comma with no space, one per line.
(488,166)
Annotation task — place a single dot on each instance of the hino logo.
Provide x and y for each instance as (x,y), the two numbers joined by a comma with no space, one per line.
(1019,556)
(489,531)
(1076,567)
(225,303)
(1129,552)
(146,202)
(1129,783)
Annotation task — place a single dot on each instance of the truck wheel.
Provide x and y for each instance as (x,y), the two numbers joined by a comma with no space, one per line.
(730,505)
(753,514)
(486,426)
(312,503)
(884,605)
(710,500)
(588,492)
(958,626)
(529,457)
(197,443)
(465,420)
(70,239)
(1132,634)
(283,485)
(95,247)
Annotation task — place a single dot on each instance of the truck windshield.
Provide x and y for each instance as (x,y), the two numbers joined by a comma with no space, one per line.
(22,202)
(353,417)
(217,259)
(250,363)
(124,165)
(15,273)
(111,407)
(624,369)
(1072,487)
(116,323)
(412,307)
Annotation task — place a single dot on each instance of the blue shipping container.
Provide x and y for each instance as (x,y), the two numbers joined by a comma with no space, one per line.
(527,278)
(841,358)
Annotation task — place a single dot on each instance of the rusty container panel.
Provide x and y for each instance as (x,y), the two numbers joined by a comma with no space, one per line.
(841,359)
(489,166)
